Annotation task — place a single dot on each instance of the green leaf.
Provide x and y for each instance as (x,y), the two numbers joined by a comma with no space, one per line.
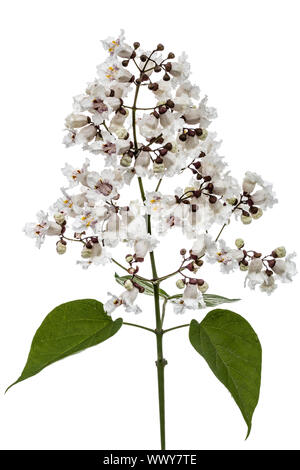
(211,300)
(66,330)
(232,350)
(148,286)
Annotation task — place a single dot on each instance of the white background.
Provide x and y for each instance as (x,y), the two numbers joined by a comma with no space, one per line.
(245,56)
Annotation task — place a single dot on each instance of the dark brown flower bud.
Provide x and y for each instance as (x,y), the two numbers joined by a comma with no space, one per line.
(245,213)
(190,267)
(199,177)
(125,63)
(170,104)
(193,281)
(166,77)
(122,111)
(199,131)
(256,254)
(163,152)
(250,202)
(269,272)
(212,199)
(89,244)
(202,154)
(199,262)
(274,254)
(183,137)
(136,45)
(95,239)
(168,146)
(210,187)
(157,68)
(253,209)
(159,160)
(133,55)
(160,140)
(168,67)
(183,251)
(207,178)
(197,165)
(271,263)
(244,262)
(138,81)
(171,55)
(143,58)
(197,193)
(155,87)
(144,77)
(160,47)
(191,132)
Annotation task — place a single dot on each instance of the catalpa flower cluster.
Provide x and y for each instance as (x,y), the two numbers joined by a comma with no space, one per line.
(166,136)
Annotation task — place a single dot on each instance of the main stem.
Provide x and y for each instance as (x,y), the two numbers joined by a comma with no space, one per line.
(160,362)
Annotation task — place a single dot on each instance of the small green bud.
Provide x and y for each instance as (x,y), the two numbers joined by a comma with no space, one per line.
(243,267)
(158,167)
(86,252)
(126,161)
(280,252)
(128,284)
(239,243)
(203,288)
(258,214)
(61,248)
(246,219)
(203,135)
(59,218)
(232,201)
(180,284)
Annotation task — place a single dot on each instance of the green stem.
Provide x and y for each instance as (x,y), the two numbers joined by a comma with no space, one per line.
(176,327)
(139,326)
(161,362)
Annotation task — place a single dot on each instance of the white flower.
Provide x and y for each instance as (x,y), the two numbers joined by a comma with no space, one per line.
(42,228)
(191,299)
(285,269)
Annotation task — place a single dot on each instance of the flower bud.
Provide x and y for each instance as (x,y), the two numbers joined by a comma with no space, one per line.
(128,284)
(246,219)
(203,288)
(74,121)
(59,218)
(243,267)
(180,284)
(61,248)
(203,135)
(257,214)
(232,201)
(121,133)
(280,252)
(87,133)
(239,243)
(129,258)
(158,167)
(125,161)
(86,252)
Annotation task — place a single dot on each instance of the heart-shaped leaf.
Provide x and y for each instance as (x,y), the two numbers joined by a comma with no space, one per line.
(148,286)
(68,329)
(232,350)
